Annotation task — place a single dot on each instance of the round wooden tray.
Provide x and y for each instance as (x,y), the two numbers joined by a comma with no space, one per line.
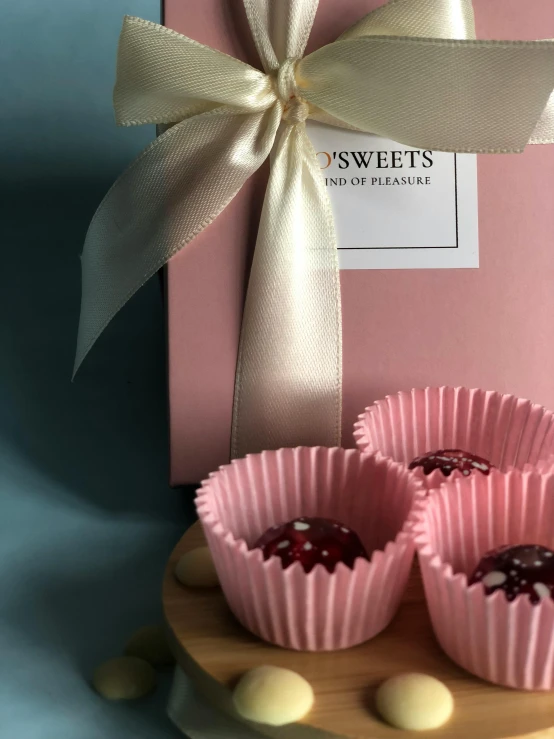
(214,650)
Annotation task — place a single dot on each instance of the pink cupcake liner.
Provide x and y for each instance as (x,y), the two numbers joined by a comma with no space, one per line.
(503,642)
(544,465)
(505,430)
(319,610)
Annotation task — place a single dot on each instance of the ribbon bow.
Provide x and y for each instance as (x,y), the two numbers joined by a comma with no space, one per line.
(410,71)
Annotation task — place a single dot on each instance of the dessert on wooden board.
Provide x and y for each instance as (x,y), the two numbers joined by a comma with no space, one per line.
(313,548)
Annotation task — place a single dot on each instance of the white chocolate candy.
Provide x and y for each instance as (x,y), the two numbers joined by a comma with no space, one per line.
(414,702)
(124,678)
(273,696)
(150,644)
(196,569)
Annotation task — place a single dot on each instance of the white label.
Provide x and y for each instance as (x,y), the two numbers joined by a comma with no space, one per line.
(396,207)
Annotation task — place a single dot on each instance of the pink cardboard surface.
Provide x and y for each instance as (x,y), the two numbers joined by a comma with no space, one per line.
(489,327)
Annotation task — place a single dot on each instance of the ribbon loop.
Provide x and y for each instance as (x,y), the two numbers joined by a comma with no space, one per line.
(164,77)
(450,19)
(149,214)
(438,94)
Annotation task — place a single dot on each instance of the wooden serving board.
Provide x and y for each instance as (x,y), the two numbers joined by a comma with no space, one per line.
(214,650)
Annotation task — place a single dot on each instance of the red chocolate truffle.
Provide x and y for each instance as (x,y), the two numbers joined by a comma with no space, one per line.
(312,541)
(447,460)
(526,569)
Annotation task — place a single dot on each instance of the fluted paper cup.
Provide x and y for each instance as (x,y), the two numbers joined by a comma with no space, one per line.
(503,429)
(510,643)
(545,465)
(318,610)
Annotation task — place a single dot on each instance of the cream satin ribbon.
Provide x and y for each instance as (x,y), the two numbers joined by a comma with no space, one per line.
(411,71)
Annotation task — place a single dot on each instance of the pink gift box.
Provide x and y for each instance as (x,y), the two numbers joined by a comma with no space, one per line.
(486,327)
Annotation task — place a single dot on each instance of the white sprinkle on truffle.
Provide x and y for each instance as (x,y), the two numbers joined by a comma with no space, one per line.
(301,526)
(344,529)
(494,579)
(283,544)
(308,545)
(541,590)
(481,466)
(324,553)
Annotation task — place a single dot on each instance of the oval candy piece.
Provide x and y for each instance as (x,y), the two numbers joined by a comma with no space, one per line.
(273,696)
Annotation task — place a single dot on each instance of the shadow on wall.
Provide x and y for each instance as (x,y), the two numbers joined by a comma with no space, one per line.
(102,439)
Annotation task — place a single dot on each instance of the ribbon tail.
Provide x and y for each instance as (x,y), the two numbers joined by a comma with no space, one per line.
(288,388)
(170,193)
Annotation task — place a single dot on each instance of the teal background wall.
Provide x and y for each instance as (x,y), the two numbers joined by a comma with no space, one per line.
(86,517)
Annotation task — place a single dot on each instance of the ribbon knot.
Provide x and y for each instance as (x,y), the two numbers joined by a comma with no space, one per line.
(295,108)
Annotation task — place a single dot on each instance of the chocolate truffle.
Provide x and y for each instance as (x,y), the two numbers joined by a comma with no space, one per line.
(448,460)
(525,569)
(312,541)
